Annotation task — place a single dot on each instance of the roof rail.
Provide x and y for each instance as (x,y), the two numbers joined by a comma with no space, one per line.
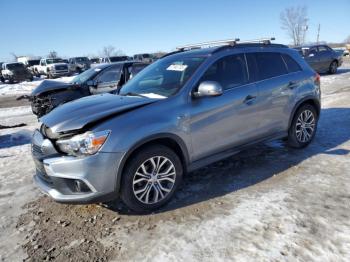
(212,43)
(265,41)
(230,42)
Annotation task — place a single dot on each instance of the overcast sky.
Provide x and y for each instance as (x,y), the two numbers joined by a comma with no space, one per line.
(74,28)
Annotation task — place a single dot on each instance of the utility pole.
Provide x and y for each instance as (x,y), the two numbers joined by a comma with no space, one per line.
(318,33)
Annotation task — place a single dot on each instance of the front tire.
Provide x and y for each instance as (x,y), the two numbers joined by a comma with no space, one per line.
(333,67)
(151,178)
(303,127)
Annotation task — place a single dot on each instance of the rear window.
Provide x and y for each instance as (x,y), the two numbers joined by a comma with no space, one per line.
(292,65)
(270,65)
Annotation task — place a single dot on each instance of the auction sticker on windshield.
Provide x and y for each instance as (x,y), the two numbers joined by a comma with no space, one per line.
(177,67)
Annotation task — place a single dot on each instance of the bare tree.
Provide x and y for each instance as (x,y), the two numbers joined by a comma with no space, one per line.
(52,54)
(14,57)
(294,22)
(108,51)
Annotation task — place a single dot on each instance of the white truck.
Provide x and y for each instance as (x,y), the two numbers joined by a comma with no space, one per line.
(51,67)
(29,61)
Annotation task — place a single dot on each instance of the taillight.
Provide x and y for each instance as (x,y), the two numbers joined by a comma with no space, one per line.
(317,79)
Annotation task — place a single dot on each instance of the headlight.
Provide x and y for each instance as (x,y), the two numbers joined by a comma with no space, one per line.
(10,73)
(85,144)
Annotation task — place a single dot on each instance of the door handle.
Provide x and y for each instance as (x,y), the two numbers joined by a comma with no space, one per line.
(249,99)
(292,84)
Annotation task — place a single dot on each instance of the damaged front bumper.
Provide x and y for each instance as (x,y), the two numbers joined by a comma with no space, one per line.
(79,180)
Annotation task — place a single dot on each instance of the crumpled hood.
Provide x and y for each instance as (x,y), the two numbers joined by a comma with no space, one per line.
(50,85)
(77,114)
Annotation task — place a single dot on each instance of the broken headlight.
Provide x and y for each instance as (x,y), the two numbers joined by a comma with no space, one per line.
(84,144)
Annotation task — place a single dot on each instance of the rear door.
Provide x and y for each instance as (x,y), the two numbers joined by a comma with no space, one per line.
(275,91)
(219,123)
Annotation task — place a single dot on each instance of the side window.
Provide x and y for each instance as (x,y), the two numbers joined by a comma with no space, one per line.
(252,67)
(292,65)
(229,71)
(322,49)
(270,65)
(313,51)
(111,74)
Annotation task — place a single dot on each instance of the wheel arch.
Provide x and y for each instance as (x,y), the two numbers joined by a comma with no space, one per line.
(172,141)
(307,100)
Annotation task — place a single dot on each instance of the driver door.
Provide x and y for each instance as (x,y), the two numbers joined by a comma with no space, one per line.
(221,122)
(108,80)
(313,59)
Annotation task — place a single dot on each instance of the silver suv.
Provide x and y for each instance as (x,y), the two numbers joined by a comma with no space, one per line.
(187,110)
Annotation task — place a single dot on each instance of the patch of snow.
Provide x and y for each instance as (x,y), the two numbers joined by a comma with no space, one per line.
(26,87)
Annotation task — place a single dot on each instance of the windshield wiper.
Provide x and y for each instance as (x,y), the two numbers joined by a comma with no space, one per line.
(133,94)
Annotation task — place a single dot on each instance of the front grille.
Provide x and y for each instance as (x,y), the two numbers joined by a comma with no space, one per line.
(61,67)
(37,150)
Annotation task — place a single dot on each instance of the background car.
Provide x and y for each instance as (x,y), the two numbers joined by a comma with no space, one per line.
(321,58)
(78,64)
(113,59)
(15,72)
(104,78)
(147,58)
(51,67)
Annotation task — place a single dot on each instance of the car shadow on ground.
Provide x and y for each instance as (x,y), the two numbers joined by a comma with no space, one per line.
(257,164)
(18,138)
(339,72)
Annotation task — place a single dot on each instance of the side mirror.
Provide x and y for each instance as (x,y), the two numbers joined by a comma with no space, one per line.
(311,55)
(209,88)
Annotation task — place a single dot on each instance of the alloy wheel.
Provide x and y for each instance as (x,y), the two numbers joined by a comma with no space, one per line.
(154,180)
(305,126)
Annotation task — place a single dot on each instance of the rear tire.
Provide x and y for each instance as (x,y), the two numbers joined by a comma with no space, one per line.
(333,67)
(303,127)
(151,178)
(2,79)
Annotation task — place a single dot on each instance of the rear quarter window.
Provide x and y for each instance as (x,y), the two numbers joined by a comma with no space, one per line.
(270,65)
(292,65)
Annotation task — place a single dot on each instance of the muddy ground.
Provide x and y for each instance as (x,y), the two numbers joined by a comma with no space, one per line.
(269,203)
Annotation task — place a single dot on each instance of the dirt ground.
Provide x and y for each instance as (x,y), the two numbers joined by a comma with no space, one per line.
(268,203)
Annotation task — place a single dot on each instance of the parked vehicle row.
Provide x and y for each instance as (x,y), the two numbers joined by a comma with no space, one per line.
(104,78)
(188,109)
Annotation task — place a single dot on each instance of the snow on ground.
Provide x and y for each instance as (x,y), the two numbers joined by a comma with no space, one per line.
(25,88)
(269,203)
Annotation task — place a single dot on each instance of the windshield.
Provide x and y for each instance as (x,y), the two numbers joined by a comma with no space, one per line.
(54,61)
(15,66)
(162,78)
(117,58)
(94,60)
(33,62)
(82,59)
(83,77)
